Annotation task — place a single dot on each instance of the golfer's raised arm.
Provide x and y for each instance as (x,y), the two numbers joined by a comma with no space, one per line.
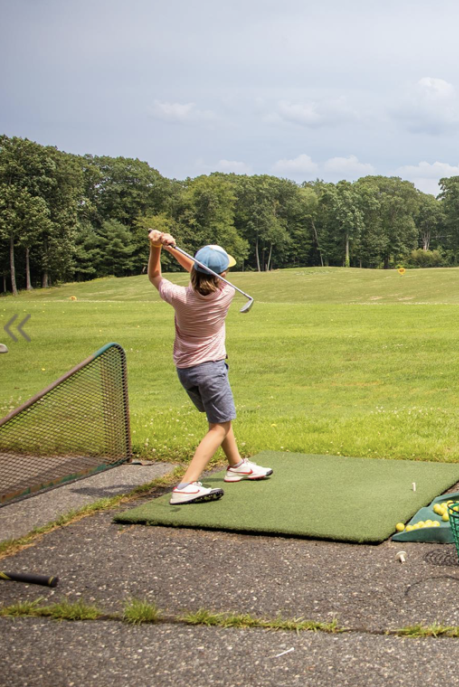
(185,262)
(154,261)
(159,240)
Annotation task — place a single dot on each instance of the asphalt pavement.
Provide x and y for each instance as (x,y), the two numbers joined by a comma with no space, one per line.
(20,518)
(365,589)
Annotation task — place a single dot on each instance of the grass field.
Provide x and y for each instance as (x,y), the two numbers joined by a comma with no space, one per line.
(352,362)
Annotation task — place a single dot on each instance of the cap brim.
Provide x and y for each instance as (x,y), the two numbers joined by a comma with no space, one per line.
(232,261)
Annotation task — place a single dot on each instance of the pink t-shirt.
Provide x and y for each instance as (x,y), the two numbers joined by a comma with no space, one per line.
(199,322)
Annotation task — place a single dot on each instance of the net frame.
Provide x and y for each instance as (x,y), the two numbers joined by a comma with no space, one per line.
(74,427)
(453,512)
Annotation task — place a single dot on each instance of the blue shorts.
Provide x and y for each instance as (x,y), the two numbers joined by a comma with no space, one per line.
(208,387)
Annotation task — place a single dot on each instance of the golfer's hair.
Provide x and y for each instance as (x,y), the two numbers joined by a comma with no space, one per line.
(203,283)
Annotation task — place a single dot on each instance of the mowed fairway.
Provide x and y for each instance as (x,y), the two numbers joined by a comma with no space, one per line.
(351,362)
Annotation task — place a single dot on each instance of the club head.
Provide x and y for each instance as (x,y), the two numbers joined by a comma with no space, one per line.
(247,306)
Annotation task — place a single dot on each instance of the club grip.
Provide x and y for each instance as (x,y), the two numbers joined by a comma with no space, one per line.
(30,578)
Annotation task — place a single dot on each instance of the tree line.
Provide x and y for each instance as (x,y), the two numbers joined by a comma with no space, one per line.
(67,217)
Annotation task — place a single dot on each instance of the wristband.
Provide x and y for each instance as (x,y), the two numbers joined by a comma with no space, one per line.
(157,245)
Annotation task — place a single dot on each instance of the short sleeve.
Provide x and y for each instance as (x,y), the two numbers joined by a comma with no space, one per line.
(171,293)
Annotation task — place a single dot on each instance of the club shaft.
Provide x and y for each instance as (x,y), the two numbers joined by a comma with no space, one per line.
(211,271)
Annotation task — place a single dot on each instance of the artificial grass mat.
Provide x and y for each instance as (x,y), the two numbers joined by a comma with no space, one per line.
(327,497)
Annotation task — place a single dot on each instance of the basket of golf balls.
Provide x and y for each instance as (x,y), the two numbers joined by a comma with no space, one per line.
(443,509)
(453,515)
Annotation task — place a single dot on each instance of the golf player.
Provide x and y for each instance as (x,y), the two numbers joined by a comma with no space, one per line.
(200,355)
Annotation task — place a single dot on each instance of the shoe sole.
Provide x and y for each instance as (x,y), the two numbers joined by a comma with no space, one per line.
(214,496)
(253,479)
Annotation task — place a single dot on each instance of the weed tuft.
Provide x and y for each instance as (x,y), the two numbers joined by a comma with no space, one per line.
(21,609)
(434,630)
(64,610)
(245,620)
(137,611)
(201,617)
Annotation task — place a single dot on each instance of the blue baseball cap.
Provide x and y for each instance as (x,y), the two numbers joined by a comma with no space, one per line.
(215,258)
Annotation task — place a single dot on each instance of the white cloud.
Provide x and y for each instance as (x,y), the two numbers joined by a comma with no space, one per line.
(180,112)
(306,114)
(435,88)
(335,168)
(436,170)
(225,166)
(430,106)
(425,176)
(349,167)
(311,113)
(426,185)
(302,164)
(229,166)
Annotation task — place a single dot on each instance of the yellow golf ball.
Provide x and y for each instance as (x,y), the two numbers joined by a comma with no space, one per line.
(400,527)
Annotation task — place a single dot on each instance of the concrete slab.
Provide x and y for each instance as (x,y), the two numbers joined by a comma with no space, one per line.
(18,519)
(37,652)
(365,588)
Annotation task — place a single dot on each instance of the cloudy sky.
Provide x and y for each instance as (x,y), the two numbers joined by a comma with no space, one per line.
(329,89)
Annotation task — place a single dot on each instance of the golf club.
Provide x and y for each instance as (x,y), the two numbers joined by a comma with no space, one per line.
(246,307)
(30,578)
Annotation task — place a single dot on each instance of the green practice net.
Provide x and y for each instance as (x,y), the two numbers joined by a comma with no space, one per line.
(77,425)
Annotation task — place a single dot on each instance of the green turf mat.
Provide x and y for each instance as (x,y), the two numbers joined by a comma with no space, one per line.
(327,497)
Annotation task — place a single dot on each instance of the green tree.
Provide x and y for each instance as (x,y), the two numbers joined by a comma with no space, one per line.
(429,221)
(343,222)
(121,189)
(141,244)
(23,218)
(449,197)
(116,247)
(426,258)
(63,198)
(295,210)
(4,265)
(259,218)
(305,235)
(326,224)
(207,216)
(398,204)
(88,252)
(55,179)
(372,240)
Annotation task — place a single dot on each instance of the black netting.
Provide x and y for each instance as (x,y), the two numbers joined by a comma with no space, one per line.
(77,426)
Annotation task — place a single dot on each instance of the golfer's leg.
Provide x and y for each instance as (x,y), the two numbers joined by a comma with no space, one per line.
(230,448)
(206,451)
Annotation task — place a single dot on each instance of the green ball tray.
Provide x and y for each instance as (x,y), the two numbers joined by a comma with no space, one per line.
(438,535)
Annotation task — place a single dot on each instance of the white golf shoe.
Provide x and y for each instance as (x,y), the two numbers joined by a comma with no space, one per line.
(194,493)
(247,470)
